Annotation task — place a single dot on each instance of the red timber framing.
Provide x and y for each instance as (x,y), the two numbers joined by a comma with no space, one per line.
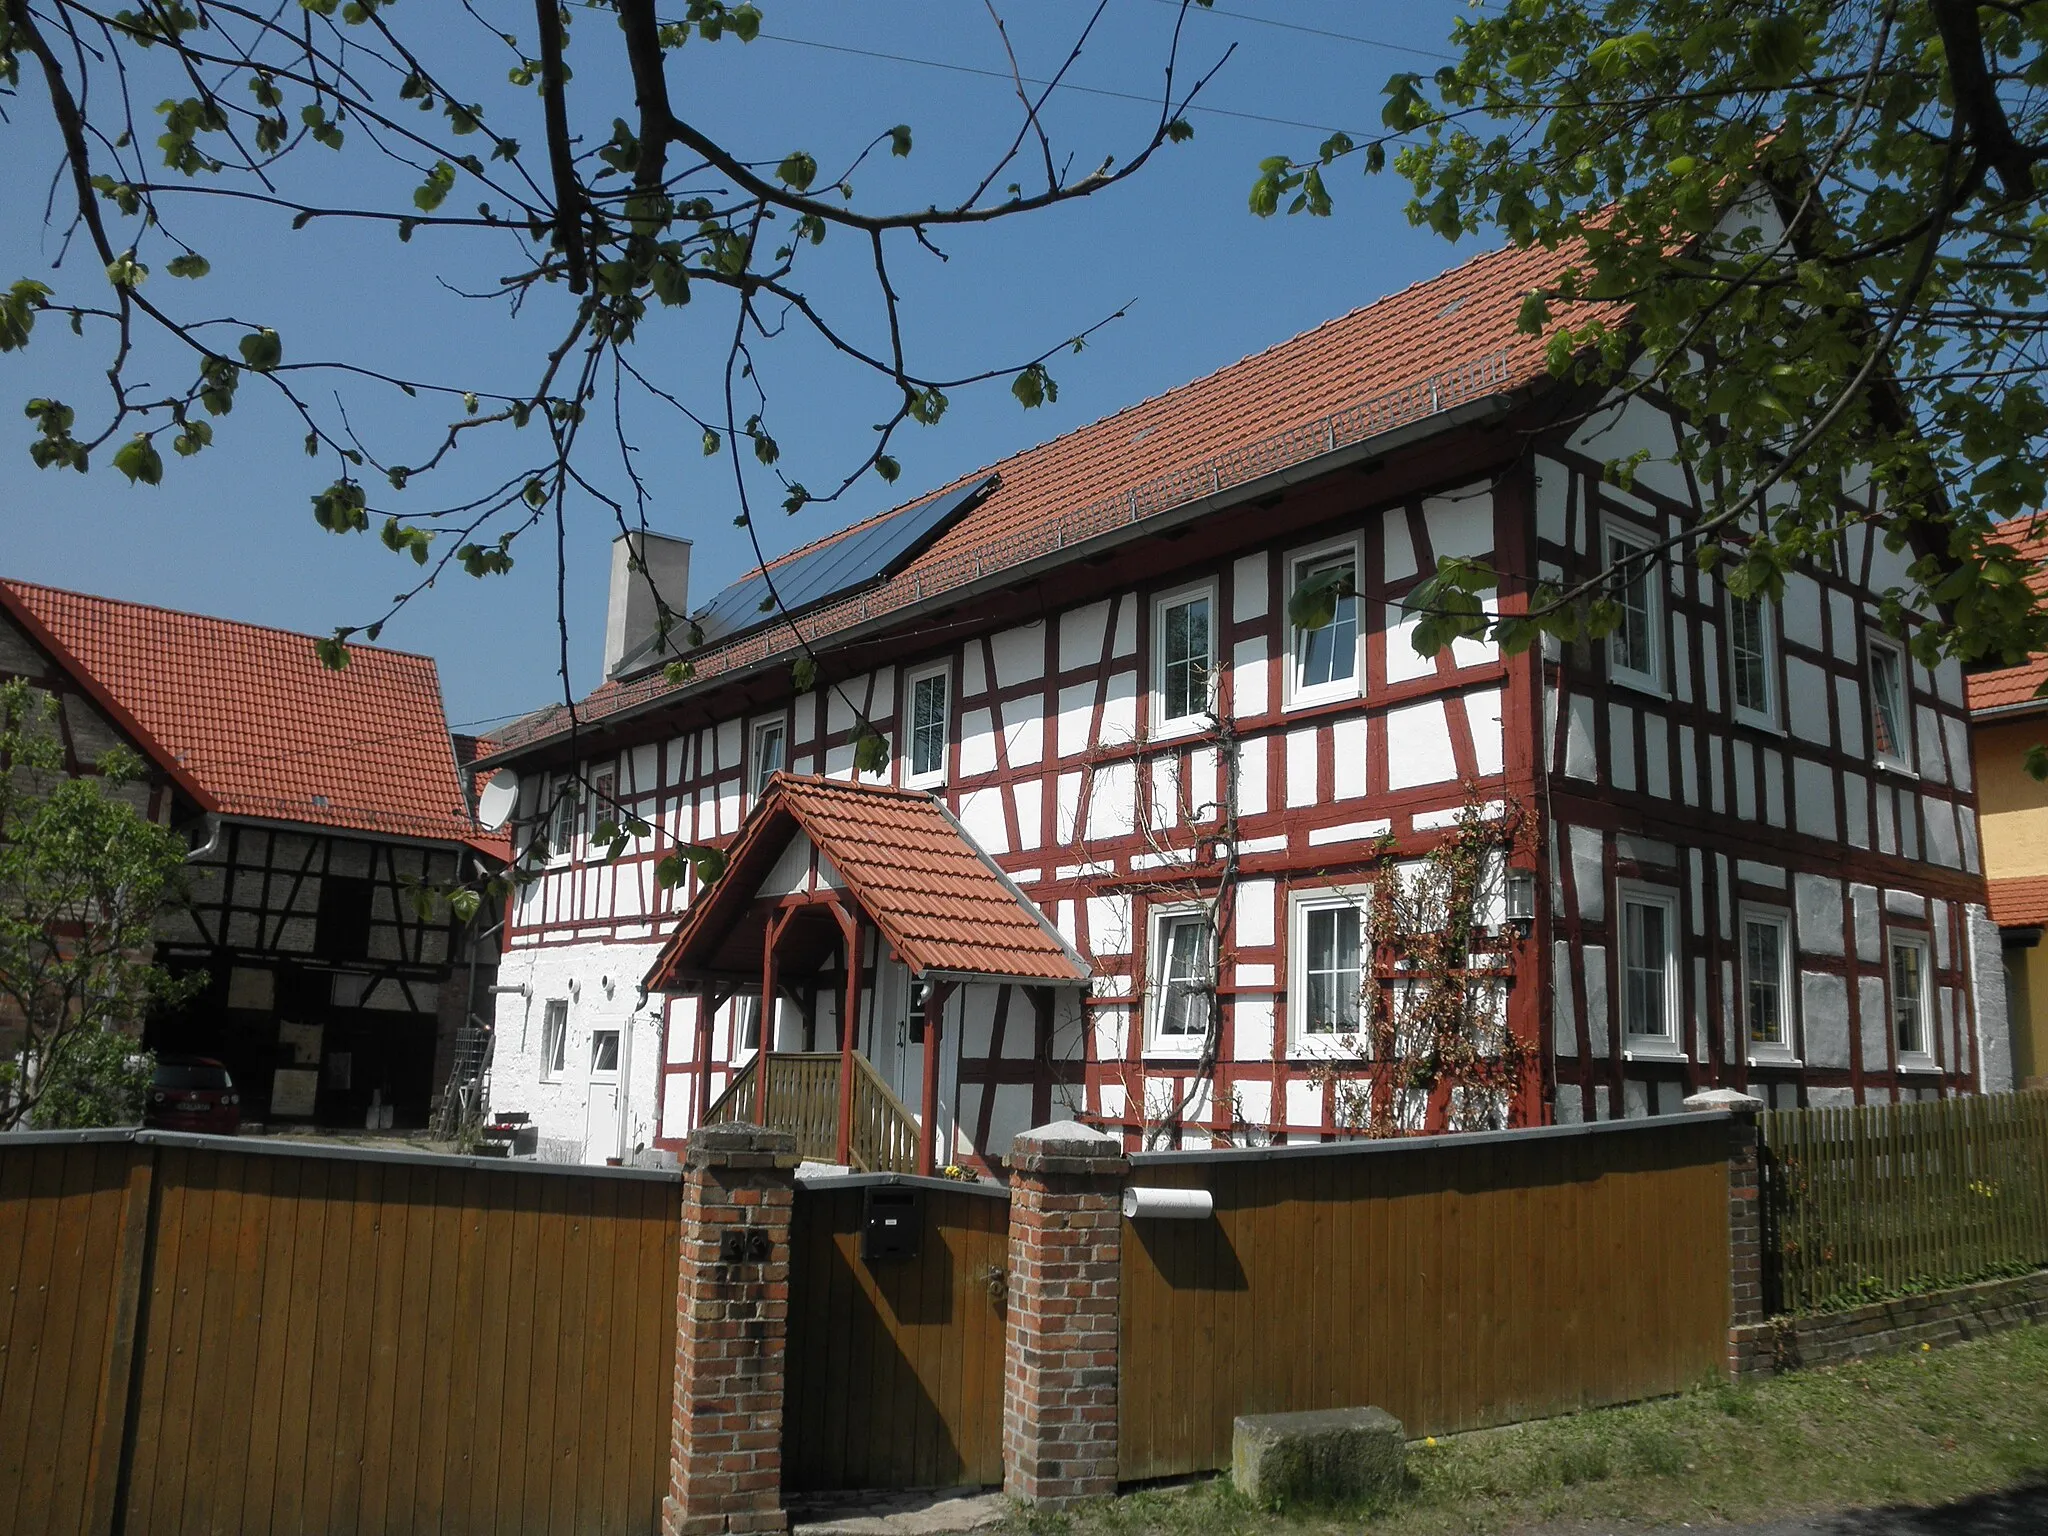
(1061,772)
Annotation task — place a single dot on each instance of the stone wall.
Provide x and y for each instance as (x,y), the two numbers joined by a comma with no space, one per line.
(1934,1318)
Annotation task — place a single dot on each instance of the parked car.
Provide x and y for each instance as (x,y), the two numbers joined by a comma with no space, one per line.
(192,1093)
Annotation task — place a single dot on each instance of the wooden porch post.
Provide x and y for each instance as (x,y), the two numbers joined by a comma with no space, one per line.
(708,1005)
(935,995)
(770,937)
(849,1032)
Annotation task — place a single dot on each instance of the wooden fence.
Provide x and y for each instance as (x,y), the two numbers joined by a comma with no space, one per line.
(199,1335)
(1456,1282)
(896,1365)
(1876,1201)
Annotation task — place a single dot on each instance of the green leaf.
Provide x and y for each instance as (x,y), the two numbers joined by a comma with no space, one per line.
(870,750)
(464,904)
(431,193)
(1179,131)
(887,468)
(899,139)
(1034,387)
(191,264)
(262,350)
(798,170)
(139,461)
(803,674)
(711,443)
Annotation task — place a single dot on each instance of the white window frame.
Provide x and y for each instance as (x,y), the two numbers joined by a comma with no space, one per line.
(1300,695)
(1300,905)
(755,734)
(1613,531)
(1767,612)
(603,801)
(1780,1052)
(1921,1059)
(1670,1045)
(912,779)
(1900,761)
(1184,725)
(746,1011)
(606,1074)
(1158,921)
(565,809)
(554,1039)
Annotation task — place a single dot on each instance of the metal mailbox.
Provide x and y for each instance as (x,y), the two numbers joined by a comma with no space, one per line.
(892,1221)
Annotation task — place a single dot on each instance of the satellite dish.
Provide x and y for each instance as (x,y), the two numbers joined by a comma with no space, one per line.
(494,805)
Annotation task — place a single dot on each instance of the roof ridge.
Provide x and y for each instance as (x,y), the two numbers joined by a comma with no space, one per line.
(1218,372)
(21,583)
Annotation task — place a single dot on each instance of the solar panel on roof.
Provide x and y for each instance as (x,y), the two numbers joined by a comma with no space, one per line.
(871,554)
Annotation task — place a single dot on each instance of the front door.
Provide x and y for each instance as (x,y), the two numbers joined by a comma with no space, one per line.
(601,1098)
(898,1058)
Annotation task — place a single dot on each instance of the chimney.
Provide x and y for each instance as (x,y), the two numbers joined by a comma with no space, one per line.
(644,563)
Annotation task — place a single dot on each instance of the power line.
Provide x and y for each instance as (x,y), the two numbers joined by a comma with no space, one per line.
(1342,37)
(1007,78)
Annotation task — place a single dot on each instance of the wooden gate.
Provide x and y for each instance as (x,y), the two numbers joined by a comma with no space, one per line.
(1454,1281)
(198,1335)
(896,1366)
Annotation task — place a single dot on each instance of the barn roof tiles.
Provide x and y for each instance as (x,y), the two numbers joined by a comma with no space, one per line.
(252,716)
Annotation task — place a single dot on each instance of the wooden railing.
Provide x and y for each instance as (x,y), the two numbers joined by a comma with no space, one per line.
(1866,1203)
(884,1131)
(803,1099)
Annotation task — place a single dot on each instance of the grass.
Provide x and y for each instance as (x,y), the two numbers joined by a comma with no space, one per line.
(1924,1428)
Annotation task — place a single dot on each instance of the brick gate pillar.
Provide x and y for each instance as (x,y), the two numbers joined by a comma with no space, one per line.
(1060,1369)
(1750,1349)
(732,1333)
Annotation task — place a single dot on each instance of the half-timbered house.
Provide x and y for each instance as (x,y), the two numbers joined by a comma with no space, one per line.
(1746,841)
(319,804)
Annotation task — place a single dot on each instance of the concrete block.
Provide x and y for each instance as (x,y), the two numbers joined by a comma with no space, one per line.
(1317,1457)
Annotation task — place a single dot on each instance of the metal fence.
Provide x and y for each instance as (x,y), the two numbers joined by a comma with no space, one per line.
(1889,1199)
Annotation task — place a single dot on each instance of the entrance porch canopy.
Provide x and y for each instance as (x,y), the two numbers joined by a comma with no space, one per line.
(816,860)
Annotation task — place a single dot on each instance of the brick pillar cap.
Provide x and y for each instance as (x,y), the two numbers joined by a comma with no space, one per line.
(732,1145)
(1731,1099)
(1067,1146)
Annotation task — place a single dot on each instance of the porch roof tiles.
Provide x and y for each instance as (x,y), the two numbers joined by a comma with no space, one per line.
(939,901)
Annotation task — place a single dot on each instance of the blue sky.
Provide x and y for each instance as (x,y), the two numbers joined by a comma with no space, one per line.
(1205,283)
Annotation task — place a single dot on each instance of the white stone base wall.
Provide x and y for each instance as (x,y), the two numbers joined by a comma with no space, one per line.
(601,985)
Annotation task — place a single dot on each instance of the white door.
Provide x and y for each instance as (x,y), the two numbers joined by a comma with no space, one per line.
(898,1059)
(601,1098)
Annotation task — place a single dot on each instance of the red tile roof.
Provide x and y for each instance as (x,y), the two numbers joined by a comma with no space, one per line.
(2020,903)
(268,732)
(2015,687)
(1448,341)
(939,901)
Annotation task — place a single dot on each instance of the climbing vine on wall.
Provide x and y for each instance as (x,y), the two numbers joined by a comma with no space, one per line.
(1439,962)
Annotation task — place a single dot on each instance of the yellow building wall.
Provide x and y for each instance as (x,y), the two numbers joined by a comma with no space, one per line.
(2012,810)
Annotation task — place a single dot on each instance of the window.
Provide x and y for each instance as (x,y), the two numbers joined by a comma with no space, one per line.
(1633,652)
(928,702)
(1888,721)
(1326,659)
(604,1051)
(1180,969)
(770,738)
(1752,660)
(746,1022)
(1909,997)
(1327,967)
(567,803)
(604,798)
(554,1039)
(1185,662)
(1765,987)
(1649,928)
